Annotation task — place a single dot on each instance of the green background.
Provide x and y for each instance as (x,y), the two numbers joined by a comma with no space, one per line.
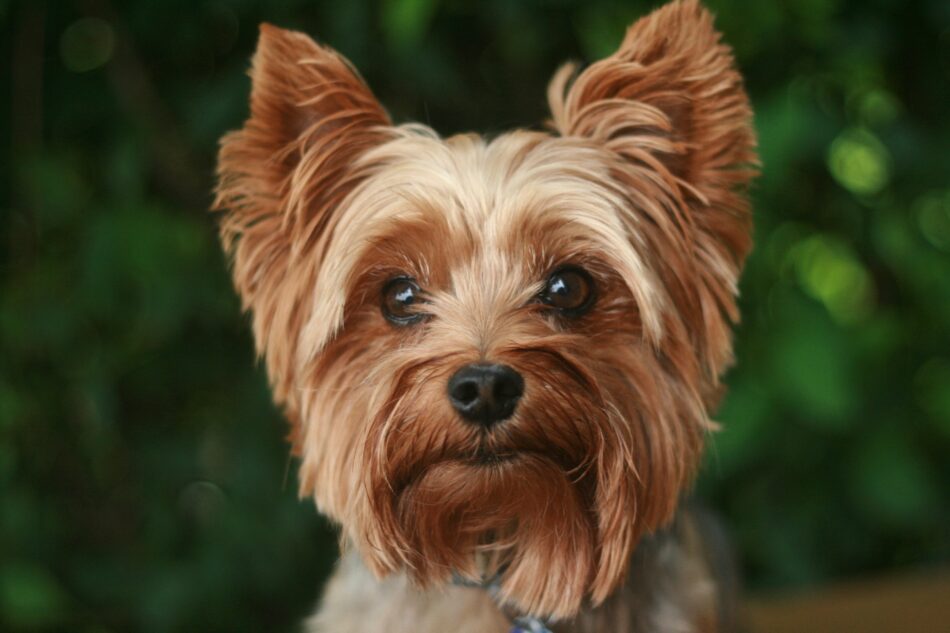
(144,477)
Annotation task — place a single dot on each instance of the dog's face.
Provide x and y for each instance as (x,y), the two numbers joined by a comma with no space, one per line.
(498,356)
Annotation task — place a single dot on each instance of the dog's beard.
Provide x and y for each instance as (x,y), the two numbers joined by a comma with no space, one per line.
(545,503)
(522,520)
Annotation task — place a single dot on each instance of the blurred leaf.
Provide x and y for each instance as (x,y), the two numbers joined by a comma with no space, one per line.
(933,218)
(859,162)
(405,21)
(30,598)
(890,482)
(829,272)
(932,388)
(87,44)
(811,367)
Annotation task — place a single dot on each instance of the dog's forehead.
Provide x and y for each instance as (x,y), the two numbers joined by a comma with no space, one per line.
(472,196)
(480,180)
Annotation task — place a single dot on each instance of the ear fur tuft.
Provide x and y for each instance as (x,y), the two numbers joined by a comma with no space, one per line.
(280,179)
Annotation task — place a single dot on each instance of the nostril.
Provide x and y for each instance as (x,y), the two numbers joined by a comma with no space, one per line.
(465,392)
(508,387)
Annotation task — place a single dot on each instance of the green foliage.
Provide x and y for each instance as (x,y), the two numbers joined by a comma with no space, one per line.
(144,480)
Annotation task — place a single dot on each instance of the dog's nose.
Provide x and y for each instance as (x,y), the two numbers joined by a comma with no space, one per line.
(485,394)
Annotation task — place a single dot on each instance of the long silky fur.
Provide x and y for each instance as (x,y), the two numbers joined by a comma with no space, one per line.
(642,181)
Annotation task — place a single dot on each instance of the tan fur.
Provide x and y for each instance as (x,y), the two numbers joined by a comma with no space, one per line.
(355,602)
(641,182)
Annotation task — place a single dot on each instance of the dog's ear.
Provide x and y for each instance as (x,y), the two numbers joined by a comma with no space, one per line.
(671,94)
(281,177)
(671,103)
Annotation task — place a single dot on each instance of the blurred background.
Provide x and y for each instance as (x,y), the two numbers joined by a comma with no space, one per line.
(144,478)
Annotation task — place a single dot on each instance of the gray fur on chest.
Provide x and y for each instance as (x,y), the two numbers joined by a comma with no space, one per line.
(671,588)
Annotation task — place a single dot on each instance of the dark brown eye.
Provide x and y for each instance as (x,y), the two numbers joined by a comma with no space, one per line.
(400,299)
(570,291)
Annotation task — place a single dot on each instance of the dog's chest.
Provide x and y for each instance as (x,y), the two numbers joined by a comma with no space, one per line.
(670,589)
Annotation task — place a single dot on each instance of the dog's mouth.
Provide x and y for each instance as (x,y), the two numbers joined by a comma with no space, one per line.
(491,452)
(497,449)
(487,457)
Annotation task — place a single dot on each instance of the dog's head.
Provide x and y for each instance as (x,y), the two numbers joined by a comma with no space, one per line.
(499,357)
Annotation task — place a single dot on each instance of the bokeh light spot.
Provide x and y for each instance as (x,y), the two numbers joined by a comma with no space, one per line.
(830,272)
(201,502)
(932,392)
(87,44)
(878,107)
(405,21)
(859,162)
(30,596)
(933,218)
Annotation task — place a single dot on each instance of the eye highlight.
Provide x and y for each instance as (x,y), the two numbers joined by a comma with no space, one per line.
(569,290)
(400,297)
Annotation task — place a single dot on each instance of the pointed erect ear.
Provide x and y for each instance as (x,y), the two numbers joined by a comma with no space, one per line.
(303,93)
(671,103)
(671,91)
(282,176)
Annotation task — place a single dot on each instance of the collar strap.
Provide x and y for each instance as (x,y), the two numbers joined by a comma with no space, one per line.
(529,624)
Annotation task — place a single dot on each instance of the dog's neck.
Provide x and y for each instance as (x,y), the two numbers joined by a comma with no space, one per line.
(520,623)
(670,587)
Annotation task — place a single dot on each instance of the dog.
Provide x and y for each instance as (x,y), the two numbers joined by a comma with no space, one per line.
(499,357)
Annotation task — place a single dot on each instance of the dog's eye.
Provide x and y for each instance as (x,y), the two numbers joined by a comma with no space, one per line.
(400,299)
(569,290)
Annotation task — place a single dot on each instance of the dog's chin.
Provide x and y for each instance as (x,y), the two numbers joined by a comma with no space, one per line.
(516,518)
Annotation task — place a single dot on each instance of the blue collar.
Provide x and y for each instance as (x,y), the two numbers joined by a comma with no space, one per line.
(529,624)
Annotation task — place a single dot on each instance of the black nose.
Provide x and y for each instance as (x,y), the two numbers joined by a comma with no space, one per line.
(485,394)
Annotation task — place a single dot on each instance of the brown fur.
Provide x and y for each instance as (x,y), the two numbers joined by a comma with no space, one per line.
(642,182)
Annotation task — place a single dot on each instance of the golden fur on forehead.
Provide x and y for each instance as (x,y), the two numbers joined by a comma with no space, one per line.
(641,180)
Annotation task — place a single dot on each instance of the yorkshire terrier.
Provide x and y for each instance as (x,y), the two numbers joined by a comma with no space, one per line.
(499,356)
